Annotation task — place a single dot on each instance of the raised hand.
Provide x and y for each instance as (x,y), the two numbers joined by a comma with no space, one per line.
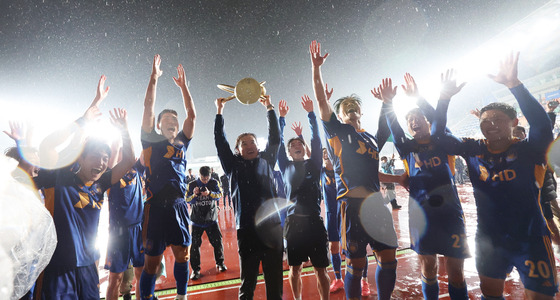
(296,127)
(315,50)
(449,85)
(101,91)
(410,89)
(17,131)
(156,71)
(475,112)
(329,93)
(265,101)
(119,118)
(283,108)
(507,74)
(385,92)
(307,103)
(220,102)
(181,80)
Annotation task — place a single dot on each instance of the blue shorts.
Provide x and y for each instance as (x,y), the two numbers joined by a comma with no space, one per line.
(366,221)
(125,246)
(437,230)
(80,283)
(165,223)
(533,259)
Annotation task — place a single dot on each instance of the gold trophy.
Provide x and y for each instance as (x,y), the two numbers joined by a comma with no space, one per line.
(247,90)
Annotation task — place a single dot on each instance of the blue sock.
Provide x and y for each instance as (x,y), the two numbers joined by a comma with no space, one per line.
(458,293)
(181,273)
(385,277)
(352,285)
(147,285)
(336,262)
(430,288)
(364,272)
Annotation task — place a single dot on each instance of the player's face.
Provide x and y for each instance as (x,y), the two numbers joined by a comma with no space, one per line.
(205,179)
(296,149)
(326,160)
(93,165)
(350,110)
(169,125)
(247,147)
(496,125)
(418,126)
(519,134)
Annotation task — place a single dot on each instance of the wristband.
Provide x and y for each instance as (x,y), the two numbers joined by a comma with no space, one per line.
(270,106)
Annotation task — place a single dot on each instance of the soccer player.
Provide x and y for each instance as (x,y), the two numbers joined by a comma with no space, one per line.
(259,239)
(355,156)
(203,195)
(507,176)
(435,214)
(74,196)
(126,209)
(305,233)
(165,211)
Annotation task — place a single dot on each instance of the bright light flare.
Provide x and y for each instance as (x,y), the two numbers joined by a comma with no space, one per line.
(377,220)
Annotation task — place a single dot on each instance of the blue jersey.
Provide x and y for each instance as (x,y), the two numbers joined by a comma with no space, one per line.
(75,209)
(430,170)
(125,198)
(301,178)
(506,184)
(165,163)
(355,154)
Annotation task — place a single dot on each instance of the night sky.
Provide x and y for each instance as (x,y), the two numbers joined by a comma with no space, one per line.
(52,53)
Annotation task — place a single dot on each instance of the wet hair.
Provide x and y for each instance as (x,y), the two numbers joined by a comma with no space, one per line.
(20,153)
(383,157)
(503,107)
(339,101)
(414,111)
(94,144)
(204,171)
(166,111)
(297,138)
(238,140)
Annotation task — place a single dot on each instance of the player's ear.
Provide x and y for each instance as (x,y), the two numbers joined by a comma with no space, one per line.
(515,122)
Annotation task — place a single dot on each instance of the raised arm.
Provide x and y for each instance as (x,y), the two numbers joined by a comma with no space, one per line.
(181,82)
(119,120)
(316,147)
(148,119)
(273,140)
(385,92)
(325,109)
(296,127)
(411,90)
(222,146)
(48,154)
(283,160)
(540,133)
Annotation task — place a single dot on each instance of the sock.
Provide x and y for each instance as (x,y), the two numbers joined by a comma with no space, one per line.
(181,273)
(385,277)
(430,288)
(458,293)
(336,262)
(352,285)
(147,285)
(364,272)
